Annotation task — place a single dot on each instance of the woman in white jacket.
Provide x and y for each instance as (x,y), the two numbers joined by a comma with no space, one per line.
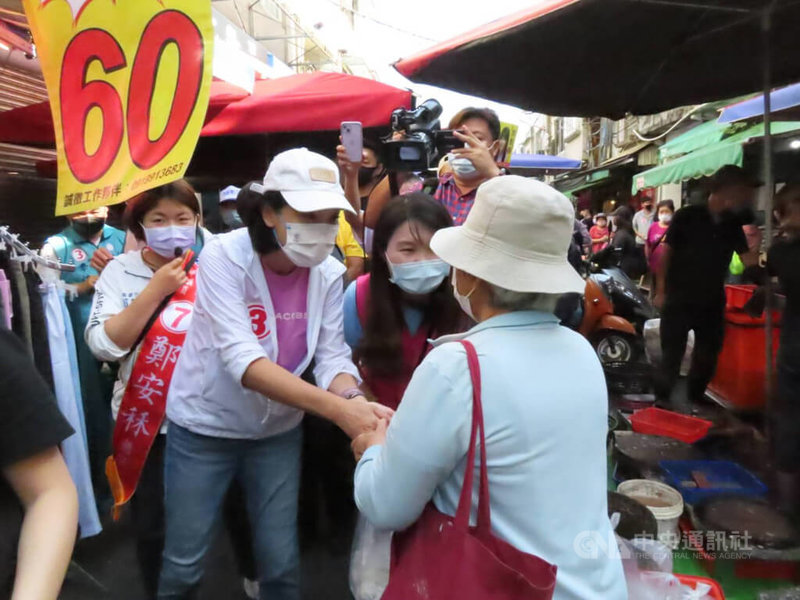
(130,290)
(269,301)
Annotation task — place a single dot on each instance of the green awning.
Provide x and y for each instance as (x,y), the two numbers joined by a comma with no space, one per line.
(699,137)
(708,160)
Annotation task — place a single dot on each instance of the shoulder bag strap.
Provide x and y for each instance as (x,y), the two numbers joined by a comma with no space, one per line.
(465,501)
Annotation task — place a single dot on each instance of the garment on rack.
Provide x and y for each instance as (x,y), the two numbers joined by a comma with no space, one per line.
(97,385)
(16,308)
(5,301)
(62,355)
(41,346)
(21,323)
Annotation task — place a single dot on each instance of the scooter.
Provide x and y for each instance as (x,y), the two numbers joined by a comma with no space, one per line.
(611,316)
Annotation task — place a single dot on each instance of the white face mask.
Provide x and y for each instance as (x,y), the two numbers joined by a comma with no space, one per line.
(167,241)
(463,301)
(418,277)
(308,244)
(664,218)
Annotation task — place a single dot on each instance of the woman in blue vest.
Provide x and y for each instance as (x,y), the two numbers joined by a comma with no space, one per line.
(76,245)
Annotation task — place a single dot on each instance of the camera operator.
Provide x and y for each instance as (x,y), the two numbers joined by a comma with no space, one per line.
(469,167)
(459,176)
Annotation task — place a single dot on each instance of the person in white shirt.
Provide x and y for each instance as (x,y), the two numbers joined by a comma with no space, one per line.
(269,301)
(129,291)
(642,221)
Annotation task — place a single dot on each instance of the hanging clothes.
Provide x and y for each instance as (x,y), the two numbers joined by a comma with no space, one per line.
(16,307)
(21,323)
(5,301)
(41,346)
(64,365)
(97,384)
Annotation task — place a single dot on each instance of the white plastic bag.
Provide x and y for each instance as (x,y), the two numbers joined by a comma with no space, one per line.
(369,561)
(652,345)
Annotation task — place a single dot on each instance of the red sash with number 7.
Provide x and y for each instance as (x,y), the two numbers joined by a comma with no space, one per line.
(145,401)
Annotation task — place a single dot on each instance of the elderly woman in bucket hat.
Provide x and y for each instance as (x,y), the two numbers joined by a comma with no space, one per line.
(544,399)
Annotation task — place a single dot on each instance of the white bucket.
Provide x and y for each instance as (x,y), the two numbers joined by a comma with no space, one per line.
(664,502)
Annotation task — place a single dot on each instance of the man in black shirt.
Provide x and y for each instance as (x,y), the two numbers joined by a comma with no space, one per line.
(38,501)
(690,288)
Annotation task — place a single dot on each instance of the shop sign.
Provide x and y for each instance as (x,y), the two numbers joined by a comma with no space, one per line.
(129,84)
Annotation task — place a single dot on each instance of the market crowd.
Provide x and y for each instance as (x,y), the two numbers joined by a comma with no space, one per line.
(200,353)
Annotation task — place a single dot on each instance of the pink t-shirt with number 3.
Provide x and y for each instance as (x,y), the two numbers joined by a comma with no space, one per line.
(290,300)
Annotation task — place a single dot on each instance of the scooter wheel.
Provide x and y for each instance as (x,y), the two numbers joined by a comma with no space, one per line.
(615,348)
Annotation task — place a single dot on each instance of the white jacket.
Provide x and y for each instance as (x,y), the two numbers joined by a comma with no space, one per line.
(120,282)
(207,396)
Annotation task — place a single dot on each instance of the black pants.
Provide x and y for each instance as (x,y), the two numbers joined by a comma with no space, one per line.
(786,408)
(147,510)
(709,332)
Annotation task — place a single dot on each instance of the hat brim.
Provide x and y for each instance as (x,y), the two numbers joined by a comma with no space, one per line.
(311,201)
(473,255)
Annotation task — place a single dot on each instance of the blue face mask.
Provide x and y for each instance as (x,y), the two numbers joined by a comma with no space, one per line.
(461,166)
(419,277)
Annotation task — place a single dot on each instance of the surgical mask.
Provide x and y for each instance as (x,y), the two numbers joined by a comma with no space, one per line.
(170,240)
(308,244)
(463,167)
(232,219)
(463,301)
(418,277)
(664,218)
(88,227)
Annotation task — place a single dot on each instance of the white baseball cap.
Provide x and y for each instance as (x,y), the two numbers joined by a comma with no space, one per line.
(229,194)
(516,237)
(308,181)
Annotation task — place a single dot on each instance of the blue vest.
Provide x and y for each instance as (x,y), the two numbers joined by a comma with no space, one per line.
(72,249)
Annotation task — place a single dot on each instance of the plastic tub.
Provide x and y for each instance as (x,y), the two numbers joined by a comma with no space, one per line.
(715,592)
(700,479)
(664,502)
(657,421)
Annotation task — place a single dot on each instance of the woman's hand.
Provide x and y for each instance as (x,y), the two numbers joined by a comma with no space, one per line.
(169,278)
(369,439)
(359,416)
(349,167)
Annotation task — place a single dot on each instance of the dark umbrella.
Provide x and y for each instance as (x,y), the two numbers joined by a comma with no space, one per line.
(614,57)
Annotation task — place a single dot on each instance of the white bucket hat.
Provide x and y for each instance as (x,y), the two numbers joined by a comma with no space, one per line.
(307,181)
(516,237)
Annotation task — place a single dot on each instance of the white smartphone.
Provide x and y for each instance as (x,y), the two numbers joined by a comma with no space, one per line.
(353,140)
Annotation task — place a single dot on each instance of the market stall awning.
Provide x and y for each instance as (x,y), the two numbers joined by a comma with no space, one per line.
(785,105)
(701,136)
(611,57)
(707,161)
(317,101)
(543,161)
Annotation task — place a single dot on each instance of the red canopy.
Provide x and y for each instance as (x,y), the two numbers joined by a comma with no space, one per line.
(309,102)
(305,102)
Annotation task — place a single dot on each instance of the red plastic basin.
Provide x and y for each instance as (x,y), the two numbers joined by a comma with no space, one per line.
(657,421)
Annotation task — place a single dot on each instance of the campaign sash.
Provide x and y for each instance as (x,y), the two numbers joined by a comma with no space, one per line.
(144,404)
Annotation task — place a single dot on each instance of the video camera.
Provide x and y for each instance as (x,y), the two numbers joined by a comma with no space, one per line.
(423,140)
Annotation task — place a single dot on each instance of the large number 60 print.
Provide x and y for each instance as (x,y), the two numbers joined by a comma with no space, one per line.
(79,97)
